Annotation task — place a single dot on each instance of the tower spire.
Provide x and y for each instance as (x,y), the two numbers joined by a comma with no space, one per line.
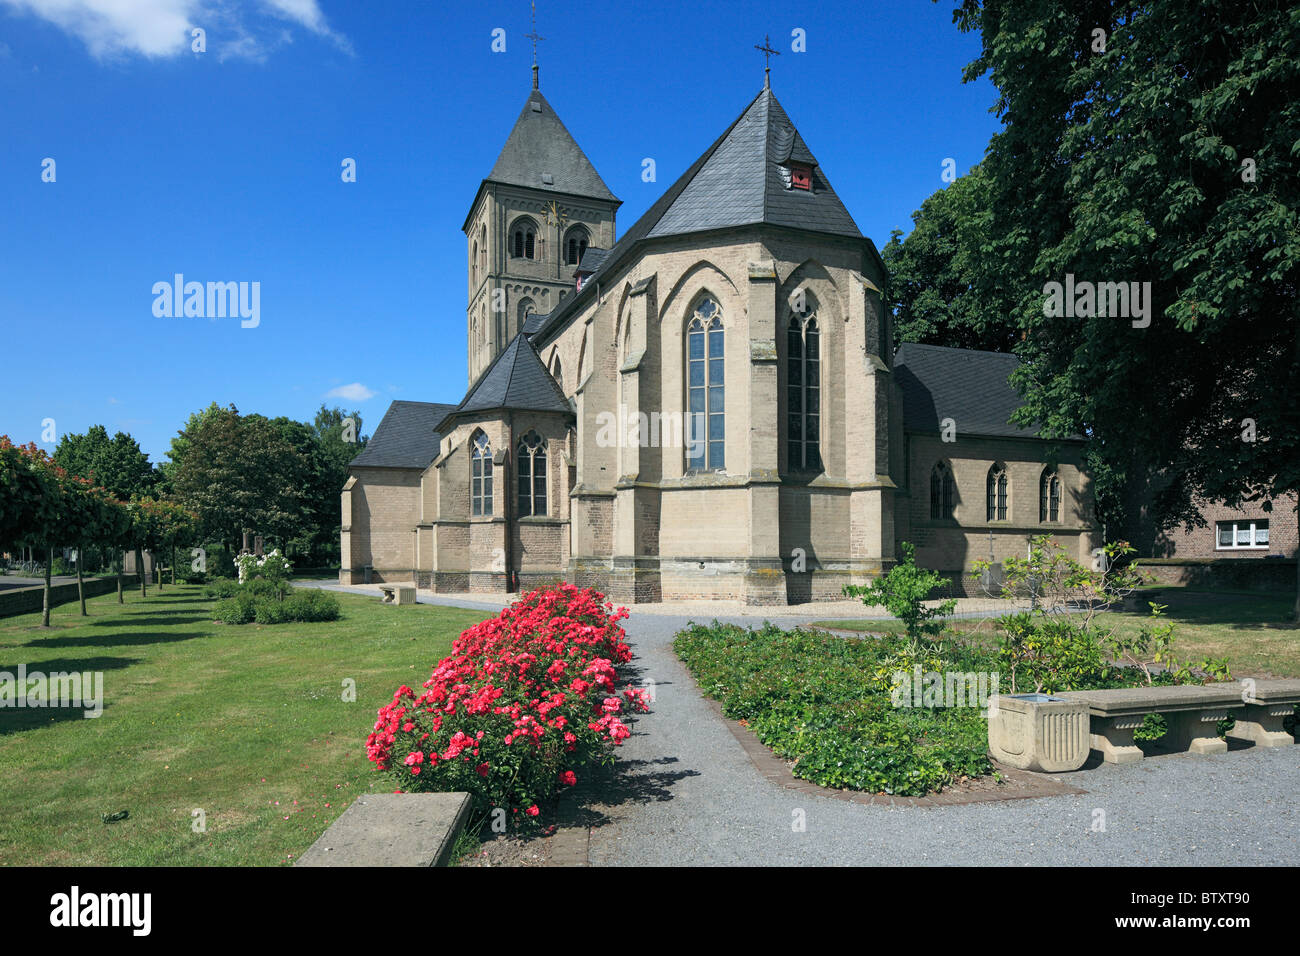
(768,53)
(534,37)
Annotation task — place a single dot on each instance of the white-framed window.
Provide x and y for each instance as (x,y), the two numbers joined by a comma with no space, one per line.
(532,475)
(481,475)
(1246,533)
(997,492)
(803,393)
(705,376)
(1049,496)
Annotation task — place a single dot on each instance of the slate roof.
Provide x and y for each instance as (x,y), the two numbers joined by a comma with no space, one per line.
(968,386)
(591,260)
(740,181)
(737,181)
(516,379)
(540,145)
(407,437)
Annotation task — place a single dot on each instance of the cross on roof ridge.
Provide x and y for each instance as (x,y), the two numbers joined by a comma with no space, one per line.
(768,53)
(533,35)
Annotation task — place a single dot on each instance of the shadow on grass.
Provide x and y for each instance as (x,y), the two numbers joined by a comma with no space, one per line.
(1236,610)
(135,620)
(114,640)
(19,719)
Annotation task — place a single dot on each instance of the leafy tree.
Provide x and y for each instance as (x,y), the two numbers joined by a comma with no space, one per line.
(44,509)
(940,291)
(241,473)
(181,443)
(20,491)
(1166,154)
(903,591)
(116,463)
(86,521)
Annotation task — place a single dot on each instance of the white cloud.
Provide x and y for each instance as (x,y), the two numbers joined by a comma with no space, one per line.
(356,392)
(113,401)
(151,28)
(161,28)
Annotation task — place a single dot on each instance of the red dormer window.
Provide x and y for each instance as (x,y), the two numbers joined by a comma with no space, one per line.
(801,177)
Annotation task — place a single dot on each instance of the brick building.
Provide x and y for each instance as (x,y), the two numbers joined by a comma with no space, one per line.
(709,406)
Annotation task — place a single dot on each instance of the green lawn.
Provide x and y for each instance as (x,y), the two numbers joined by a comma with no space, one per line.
(246,723)
(1253,631)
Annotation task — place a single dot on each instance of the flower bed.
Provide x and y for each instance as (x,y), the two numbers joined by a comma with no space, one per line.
(824,703)
(524,702)
(843,712)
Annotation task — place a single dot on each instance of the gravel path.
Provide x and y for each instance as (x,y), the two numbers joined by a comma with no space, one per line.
(693,797)
(690,795)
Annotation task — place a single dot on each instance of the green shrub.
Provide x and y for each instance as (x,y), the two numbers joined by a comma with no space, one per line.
(903,592)
(305,605)
(237,609)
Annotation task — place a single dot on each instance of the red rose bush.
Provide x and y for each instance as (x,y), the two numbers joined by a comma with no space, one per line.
(525,701)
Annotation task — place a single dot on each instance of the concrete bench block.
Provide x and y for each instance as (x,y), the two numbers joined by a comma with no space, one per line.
(397,594)
(1196,731)
(1113,738)
(1267,704)
(1038,732)
(392,829)
(1262,724)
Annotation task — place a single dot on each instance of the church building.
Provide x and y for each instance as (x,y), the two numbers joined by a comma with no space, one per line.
(708,406)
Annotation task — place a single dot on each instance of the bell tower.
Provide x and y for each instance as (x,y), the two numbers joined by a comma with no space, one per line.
(534,216)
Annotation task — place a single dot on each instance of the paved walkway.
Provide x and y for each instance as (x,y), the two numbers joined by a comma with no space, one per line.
(692,796)
(688,794)
(699,610)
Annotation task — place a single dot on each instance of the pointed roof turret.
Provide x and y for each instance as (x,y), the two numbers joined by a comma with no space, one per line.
(745,178)
(540,153)
(516,379)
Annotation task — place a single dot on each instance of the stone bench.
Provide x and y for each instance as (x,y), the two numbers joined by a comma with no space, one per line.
(1265,704)
(1192,712)
(392,829)
(397,594)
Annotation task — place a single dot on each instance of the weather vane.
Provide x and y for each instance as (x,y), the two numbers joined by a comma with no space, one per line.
(768,53)
(534,37)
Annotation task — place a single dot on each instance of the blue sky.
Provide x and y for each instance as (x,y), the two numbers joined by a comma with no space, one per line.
(225,166)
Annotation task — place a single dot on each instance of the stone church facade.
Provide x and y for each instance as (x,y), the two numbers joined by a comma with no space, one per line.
(708,406)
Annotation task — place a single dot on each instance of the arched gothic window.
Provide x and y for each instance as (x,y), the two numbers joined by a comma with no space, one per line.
(532,475)
(480,491)
(803,393)
(523,239)
(526,308)
(997,492)
(705,376)
(575,244)
(1049,496)
(943,492)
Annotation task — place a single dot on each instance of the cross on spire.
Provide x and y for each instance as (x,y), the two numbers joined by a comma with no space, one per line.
(768,53)
(534,37)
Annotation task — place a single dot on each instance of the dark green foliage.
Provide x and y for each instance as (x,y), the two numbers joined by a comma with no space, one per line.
(257,601)
(824,703)
(302,605)
(116,464)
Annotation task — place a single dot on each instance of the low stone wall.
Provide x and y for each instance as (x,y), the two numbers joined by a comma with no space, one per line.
(27,600)
(1269,575)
